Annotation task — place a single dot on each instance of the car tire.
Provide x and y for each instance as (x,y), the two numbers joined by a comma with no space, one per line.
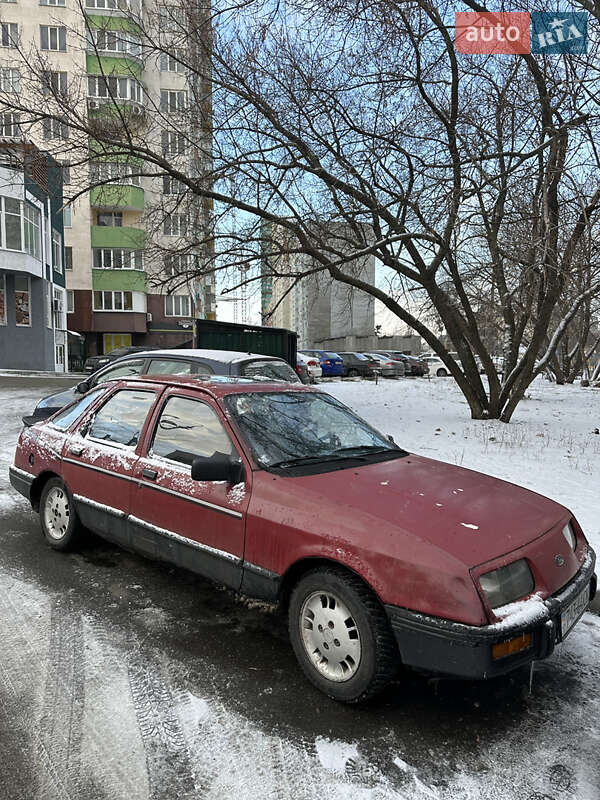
(333,610)
(60,524)
(353,373)
(441,373)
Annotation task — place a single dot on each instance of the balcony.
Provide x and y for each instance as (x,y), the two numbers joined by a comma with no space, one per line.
(125,280)
(125,65)
(117,198)
(128,238)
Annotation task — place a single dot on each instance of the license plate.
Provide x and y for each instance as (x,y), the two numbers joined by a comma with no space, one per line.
(573,611)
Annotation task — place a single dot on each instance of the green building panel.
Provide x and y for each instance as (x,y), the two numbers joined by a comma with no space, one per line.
(130,238)
(118,280)
(113,65)
(112,23)
(120,197)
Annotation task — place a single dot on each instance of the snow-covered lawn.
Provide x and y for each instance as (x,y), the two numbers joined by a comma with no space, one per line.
(550,446)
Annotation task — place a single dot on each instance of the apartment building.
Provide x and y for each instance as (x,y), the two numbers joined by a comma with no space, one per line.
(33,314)
(94,51)
(318,308)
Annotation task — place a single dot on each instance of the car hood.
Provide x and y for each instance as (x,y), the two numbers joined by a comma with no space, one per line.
(471,516)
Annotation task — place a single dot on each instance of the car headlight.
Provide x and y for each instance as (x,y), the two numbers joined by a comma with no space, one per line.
(569,535)
(507,584)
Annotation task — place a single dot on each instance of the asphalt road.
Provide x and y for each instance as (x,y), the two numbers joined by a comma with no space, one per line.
(125,678)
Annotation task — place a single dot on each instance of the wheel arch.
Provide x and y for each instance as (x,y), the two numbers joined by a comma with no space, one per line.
(299,568)
(37,487)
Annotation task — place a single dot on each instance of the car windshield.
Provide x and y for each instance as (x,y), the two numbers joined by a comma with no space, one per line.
(285,429)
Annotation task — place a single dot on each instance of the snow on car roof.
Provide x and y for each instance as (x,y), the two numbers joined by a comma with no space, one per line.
(228,356)
(220,385)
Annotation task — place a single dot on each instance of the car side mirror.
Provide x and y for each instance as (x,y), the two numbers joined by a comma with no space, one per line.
(218,467)
(82,387)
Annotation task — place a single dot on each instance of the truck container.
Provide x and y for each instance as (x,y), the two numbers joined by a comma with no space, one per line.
(213,335)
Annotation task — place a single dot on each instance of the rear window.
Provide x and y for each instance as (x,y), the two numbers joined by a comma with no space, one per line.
(332,355)
(270,370)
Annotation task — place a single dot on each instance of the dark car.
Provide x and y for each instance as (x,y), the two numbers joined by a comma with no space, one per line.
(94,363)
(286,495)
(171,362)
(388,367)
(356,364)
(331,363)
(417,365)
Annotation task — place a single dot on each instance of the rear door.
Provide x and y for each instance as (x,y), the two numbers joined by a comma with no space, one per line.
(99,459)
(198,525)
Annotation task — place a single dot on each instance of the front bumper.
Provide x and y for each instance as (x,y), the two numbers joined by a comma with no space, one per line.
(440,646)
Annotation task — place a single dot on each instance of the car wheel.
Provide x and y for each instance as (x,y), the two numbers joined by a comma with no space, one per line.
(441,373)
(341,636)
(353,373)
(60,524)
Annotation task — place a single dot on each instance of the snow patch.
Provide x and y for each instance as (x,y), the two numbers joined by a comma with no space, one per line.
(470,525)
(522,612)
(237,493)
(334,755)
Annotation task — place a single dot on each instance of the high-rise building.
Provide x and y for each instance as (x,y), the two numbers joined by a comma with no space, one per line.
(96,54)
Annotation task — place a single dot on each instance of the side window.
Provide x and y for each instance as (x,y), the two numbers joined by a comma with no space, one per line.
(64,419)
(189,428)
(121,419)
(166,366)
(128,370)
(271,370)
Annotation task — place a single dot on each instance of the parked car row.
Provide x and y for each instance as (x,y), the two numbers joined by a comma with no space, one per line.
(388,363)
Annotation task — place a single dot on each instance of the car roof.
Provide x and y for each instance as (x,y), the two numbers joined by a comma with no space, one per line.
(223,356)
(215,385)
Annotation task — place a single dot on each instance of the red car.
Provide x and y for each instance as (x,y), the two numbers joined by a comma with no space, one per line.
(281,492)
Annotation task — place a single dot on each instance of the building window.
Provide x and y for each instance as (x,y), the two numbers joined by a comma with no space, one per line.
(12,224)
(116,88)
(114,172)
(22,294)
(121,5)
(54,82)
(173,186)
(3,300)
(32,231)
(178,305)
(52,2)
(67,221)
(173,143)
(58,310)
(55,129)
(70,301)
(176,264)
(114,42)
(68,258)
(110,219)
(172,101)
(172,19)
(9,124)
(57,251)
(113,301)
(175,225)
(66,173)
(9,80)
(53,37)
(112,258)
(9,34)
(172,62)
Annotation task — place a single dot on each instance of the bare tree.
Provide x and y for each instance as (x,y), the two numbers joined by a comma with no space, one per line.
(472,179)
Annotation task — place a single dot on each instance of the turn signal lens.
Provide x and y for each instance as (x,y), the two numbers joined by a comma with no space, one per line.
(511,646)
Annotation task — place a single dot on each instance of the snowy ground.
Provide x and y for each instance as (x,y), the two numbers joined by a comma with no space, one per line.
(121,678)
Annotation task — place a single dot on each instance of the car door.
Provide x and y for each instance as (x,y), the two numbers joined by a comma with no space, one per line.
(198,525)
(99,459)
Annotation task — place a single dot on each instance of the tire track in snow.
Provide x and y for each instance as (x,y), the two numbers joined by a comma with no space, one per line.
(61,722)
(168,761)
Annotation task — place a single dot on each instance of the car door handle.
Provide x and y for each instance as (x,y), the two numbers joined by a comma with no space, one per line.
(76,451)
(151,474)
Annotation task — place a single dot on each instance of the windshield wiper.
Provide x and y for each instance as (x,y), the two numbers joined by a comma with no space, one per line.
(343,454)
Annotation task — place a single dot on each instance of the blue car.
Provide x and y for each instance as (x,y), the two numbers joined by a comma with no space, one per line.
(331,363)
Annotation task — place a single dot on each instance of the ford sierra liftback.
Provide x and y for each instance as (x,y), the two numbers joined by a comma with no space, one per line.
(379,556)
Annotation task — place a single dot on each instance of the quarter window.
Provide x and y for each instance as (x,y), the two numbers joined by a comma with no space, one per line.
(187,429)
(121,419)
(64,419)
